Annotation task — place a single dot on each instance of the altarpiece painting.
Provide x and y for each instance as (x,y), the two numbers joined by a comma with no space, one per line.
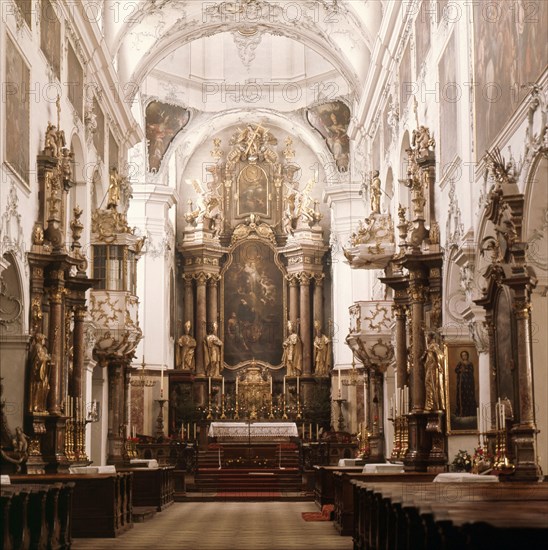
(253,305)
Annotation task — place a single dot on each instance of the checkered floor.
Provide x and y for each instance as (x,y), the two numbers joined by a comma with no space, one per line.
(227,526)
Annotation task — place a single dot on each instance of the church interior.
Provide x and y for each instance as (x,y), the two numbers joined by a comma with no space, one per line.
(284,256)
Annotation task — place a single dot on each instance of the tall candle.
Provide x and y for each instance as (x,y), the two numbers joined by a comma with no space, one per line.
(162,379)
(317,432)
(209,383)
(237,385)
(339,380)
(223,386)
(298,386)
(364,403)
(271,385)
(284,386)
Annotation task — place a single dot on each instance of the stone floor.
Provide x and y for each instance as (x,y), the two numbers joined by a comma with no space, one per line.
(227,526)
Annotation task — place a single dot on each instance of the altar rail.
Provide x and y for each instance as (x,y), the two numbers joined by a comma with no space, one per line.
(450,516)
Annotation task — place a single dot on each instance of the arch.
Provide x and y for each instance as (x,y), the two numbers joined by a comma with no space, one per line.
(11,298)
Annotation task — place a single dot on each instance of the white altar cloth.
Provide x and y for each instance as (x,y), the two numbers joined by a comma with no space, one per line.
(256,431)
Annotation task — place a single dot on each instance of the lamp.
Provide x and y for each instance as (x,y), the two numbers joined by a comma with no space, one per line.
(142,381)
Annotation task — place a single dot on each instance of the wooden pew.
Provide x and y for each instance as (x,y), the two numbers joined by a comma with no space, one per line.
(101,503)
(38,516)
(439,516)
(344,494)
(152,486)
(324,491)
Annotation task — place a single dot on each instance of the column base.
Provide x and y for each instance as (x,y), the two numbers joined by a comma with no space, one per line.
(417,457)
(53,445)
(376,445)
(522,440)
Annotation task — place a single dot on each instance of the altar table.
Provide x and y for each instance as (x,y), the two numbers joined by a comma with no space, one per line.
(254,431)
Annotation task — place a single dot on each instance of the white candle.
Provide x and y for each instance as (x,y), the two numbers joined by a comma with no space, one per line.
(339,380)
(317,432)
(298,386)
(364,403)
(237,385)
(271,386)
(209,384)
(162,379)
(194,430)
(406,399)
(223,386)
(284,386)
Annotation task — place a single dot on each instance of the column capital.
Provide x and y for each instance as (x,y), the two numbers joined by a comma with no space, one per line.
(304,278)
(399,310)
(417,292)
(201,278)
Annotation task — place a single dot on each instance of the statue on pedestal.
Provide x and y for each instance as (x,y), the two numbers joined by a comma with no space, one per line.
(292,357)
(322,352)
(39,373)
(213,347)
(186,346)
(375,193)
(434,375)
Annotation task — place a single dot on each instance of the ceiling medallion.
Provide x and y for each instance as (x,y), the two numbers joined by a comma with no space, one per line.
(247,39)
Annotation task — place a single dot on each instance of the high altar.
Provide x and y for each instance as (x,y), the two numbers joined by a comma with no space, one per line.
(252,288)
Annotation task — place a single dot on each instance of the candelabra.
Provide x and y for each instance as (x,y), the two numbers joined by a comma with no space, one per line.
(284,416)
(396,446)
(160,419)
(142,381)
(340,422)
(298,408)
(223,415)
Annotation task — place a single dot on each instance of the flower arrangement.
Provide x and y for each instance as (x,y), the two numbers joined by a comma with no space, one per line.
(482,460)
(462,462)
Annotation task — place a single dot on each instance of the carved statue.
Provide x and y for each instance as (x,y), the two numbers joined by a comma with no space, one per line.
(113,189)
(422,141)
(186,346)
(20,442)
(434,375)
(53,147)
(322,352)
(213,347)
(292,356)
(40,365)
(375,191)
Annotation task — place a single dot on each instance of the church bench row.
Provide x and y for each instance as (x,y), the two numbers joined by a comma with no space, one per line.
(343,495)
(324,490)
(436,516)
(102,503)
(152,486)
(36,516)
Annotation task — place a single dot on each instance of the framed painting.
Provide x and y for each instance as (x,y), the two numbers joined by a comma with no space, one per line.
(462,387)
(253,191)
(50,36)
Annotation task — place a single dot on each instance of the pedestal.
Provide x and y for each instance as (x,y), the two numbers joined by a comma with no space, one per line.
(416,458)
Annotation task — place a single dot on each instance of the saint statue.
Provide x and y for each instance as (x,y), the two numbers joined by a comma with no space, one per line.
(433,375)
(375,191)
(213,347)
(113,189)
(39,372)
(322,352)
(186,346)
(292,357)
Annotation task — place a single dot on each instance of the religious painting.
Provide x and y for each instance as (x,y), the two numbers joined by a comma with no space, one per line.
(163,123)
(450,94)
(462,387)
(17,111)
(25,6)
(253,191)
(99,135)
(332,120)
(50,36)
(510,55)
(253,300)
(75,81)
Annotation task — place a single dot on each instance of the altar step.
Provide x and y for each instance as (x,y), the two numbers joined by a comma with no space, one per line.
(248,480)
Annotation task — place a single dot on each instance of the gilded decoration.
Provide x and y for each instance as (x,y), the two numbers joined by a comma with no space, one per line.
(108,224)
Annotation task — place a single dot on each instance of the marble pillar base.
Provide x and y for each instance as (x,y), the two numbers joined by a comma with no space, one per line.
(420,441)
(53,445)
(522,441)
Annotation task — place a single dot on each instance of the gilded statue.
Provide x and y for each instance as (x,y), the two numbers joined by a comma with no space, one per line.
(322,352)
(186,346)
(434,375)
(375,191)
(39,365)
(292,357)
(113,189)
(213,347)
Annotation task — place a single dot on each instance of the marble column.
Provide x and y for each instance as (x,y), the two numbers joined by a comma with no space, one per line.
(293,299)
(305,326)
(115,418)
(400,315)
(56,349)
(188,301)
(417,298)
(318,302)
(212,301)
(78,352)
(201,312)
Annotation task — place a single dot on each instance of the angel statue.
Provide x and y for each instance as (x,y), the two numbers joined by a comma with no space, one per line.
(209,203)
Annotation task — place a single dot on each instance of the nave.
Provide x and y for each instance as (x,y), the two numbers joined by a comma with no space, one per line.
(225,526)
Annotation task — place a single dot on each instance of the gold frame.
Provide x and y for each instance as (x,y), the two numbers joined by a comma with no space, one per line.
(452,351)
